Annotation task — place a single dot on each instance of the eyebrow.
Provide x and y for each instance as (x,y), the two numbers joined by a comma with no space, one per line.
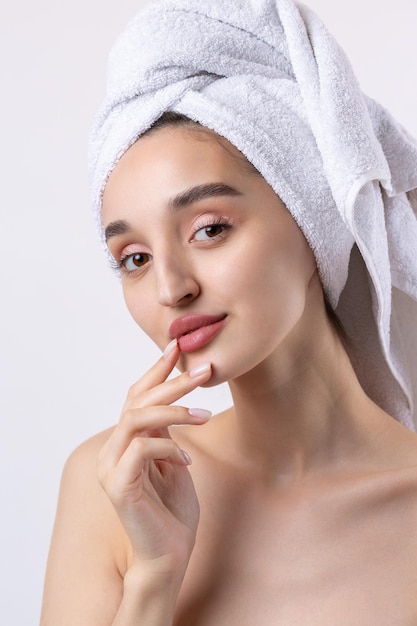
(180,201)
(201,192)
(116,228)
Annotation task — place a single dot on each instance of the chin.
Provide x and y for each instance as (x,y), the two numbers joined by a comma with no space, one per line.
(214,381)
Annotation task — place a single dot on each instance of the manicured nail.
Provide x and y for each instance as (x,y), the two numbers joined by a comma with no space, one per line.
(199,370)
(170,347)
(187,457)
(203,413)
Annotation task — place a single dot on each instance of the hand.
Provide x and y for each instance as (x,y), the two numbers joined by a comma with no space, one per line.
(144,472)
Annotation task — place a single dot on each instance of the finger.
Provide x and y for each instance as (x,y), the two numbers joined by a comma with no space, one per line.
(153,418)
(152,421)
(158,372)
(172,390)
(124,480)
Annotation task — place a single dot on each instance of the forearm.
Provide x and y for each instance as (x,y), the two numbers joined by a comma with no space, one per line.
(148,600)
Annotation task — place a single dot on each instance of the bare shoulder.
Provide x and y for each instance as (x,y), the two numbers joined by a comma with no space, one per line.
(88,551)
(79,483)
(81,490)
(83,460)
(384,488)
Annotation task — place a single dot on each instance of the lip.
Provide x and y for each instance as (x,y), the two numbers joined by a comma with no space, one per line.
(195,331)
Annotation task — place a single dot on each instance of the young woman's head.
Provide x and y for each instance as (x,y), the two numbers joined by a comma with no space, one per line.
(281,91)
(196,230)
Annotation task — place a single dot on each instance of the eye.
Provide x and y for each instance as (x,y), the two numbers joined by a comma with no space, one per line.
(135,261)
(211,231)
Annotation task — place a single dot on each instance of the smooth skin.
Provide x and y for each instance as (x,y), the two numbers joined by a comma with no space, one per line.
(300,505)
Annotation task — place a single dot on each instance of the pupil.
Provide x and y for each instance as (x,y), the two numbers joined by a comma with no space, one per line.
(213,230)
(139,259)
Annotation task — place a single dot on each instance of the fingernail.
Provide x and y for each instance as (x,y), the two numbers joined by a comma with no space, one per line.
(187,457)
(199,370)
(203,413)
(172,344)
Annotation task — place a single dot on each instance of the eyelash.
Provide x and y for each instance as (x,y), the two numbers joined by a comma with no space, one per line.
(120,264)
(217,221)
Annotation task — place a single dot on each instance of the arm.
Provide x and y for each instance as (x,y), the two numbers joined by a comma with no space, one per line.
(84,582)
(119,551)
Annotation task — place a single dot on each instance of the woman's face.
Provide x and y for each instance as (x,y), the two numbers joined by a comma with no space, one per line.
(206,246)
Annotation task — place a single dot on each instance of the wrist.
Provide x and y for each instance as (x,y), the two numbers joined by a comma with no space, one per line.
(155,580)
(152,577)
(149,596)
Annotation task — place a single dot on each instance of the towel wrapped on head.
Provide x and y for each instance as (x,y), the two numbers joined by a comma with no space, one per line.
(267,76)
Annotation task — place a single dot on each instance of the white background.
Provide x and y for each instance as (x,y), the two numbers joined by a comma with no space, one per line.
(68,348)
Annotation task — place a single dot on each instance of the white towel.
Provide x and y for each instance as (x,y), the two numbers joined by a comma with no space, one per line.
(267,76)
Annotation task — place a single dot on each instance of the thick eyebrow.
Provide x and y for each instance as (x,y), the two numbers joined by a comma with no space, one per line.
(116,228)
(201,192)
(180,201)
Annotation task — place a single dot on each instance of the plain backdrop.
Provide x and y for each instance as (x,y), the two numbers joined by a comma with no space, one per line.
(69,350)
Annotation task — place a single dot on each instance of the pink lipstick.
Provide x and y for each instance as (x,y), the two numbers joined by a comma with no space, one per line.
(195,331)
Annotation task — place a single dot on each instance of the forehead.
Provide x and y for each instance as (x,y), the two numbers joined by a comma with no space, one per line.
(162,163)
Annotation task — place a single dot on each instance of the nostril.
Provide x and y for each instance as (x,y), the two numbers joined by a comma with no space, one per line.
(174,288)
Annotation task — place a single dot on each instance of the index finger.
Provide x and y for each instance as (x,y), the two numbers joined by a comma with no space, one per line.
(158,373)
(172,390)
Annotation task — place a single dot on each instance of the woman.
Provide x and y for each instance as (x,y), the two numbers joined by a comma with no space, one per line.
(244,190)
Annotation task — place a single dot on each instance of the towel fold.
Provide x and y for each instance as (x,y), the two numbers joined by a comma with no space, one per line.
(267,76)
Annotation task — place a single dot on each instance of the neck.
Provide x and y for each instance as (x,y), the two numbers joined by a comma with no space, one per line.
(302,409)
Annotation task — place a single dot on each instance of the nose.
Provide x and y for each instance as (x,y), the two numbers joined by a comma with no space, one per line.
(176,283)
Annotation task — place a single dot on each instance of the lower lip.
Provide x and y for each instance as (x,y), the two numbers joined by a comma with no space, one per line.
(200,337)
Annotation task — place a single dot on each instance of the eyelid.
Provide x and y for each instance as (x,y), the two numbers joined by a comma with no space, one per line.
(127,252)
(205,221)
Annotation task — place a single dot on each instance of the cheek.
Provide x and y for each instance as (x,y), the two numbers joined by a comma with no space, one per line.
(141,310)
(276,280)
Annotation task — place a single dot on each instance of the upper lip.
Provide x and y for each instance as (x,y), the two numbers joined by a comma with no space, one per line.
(189,323)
